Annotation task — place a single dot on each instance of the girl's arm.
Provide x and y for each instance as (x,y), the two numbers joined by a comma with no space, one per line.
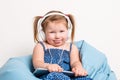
(74,56)
(75,62)
(38,60)
(38,57)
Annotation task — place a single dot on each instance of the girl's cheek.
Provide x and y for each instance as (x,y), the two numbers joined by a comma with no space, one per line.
(49,37)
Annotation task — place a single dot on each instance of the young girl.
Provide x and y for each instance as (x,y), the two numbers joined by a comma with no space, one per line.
(53,50)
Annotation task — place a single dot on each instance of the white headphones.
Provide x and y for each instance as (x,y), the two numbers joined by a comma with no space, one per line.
(41,35)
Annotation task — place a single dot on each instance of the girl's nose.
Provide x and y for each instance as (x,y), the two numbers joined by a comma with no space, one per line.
(57,35)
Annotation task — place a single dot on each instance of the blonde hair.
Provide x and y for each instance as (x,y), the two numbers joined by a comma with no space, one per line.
(52,18)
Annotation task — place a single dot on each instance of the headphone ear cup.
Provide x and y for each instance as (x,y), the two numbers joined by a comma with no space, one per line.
(69,34)
(42,35)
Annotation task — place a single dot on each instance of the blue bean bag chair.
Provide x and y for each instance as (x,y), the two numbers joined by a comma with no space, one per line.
(94,61)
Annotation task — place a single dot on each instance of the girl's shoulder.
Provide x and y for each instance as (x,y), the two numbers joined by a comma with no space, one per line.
(74,47)
(70,46)
(38,45)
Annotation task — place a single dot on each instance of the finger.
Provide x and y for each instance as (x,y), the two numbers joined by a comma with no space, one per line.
(59,70)
(77,73)
(73,70)
(56,69)
(83,73)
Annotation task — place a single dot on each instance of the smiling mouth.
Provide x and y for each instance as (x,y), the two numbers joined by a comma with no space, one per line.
(57,41)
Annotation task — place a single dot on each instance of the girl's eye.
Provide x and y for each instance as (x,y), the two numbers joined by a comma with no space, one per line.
(52,32)
(61,31)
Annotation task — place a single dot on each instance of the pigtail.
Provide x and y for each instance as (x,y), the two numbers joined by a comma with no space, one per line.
(35,28)
(73,26)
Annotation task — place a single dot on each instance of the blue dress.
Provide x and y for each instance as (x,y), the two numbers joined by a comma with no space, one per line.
(64,63)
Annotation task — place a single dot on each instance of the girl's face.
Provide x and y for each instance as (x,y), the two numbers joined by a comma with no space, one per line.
(56,33)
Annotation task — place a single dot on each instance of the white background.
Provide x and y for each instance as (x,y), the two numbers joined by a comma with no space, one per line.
(97,22)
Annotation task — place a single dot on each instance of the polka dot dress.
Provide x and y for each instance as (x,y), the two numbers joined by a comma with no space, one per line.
(54,56)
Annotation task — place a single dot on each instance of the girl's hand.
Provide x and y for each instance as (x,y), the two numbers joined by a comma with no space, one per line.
(54,68)
(79,71)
